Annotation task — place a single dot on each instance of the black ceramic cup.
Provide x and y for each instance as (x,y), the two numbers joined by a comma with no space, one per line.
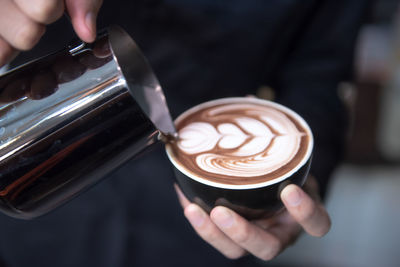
(252,201)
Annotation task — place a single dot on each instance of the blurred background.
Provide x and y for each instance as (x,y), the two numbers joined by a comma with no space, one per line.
(364,196)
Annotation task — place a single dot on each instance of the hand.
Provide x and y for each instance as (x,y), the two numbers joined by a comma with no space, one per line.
(22,22)
(235,237)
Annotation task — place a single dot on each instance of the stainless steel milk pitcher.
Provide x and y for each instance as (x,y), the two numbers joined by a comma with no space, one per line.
(68,119)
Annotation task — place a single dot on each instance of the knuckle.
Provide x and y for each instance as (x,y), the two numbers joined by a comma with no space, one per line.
(243,235)
(28,35)
(308,212)
(46,11)
(211,235)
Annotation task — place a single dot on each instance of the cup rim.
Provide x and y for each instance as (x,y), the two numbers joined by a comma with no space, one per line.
(280,107)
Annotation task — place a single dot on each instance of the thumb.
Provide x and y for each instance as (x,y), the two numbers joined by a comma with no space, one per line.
(310,214)
(83,15)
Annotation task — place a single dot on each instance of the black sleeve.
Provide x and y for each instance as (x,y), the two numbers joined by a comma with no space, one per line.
(320,58)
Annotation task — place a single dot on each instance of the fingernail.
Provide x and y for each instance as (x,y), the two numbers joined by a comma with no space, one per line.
(195,215)
(223,218)
(293,197)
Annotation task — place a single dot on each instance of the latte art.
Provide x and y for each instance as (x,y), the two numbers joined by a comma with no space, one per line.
(240,143)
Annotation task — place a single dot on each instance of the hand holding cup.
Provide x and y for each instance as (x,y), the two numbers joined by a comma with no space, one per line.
(234,236)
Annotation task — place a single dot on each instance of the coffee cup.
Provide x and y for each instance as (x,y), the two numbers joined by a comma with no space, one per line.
(240,153)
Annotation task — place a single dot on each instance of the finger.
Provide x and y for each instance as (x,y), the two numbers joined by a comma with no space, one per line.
(83,15)
(286,229)
(16,28)
(287,234)
(42,11)
(206,229)
(181,197)
(311,215)
(7,53)
(209,232)
(250,237)
(311,188)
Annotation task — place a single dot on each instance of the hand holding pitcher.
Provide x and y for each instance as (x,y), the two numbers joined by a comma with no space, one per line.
(22,23)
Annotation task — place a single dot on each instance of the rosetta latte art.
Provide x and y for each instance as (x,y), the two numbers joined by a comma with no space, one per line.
(239,140)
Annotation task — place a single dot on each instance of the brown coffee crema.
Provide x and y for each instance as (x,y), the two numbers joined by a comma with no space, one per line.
(240,143)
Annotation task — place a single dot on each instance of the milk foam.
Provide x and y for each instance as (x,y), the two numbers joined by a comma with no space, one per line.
(240,140)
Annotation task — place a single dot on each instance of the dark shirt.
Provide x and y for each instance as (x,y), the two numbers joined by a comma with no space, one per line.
(200,50)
